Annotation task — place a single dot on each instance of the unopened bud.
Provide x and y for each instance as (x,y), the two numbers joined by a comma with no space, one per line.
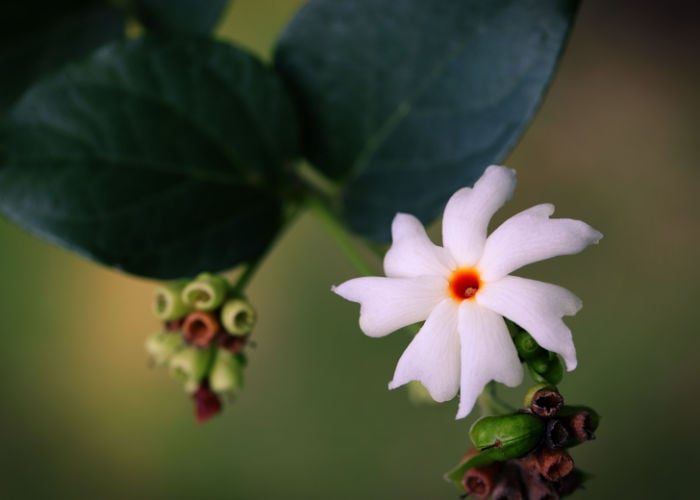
(544,400)
(526,346)
(206,292)
(190,364)
(238,317)
(168,304)
(227,374)
(506,436)
(546,368)
(200,328)
(162,346)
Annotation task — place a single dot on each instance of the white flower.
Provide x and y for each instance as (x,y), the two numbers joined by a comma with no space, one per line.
(463,290)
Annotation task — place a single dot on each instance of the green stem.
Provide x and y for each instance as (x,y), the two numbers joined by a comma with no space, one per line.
(491,404)
(246,276)
(341,237)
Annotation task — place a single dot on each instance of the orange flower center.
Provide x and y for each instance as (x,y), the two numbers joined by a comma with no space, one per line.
(464,284)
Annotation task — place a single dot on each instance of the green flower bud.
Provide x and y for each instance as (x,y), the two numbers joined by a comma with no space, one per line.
(227,374)
(238,317)
(206,292)
(190,365)
(546,368)
(506,436)
(526,346)
(162,346)
(168,304)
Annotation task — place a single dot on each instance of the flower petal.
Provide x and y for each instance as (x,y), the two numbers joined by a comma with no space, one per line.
(412,253)
(388,304)
(537,307)
(469,210)
(488,353)
(432,357)
(531,236)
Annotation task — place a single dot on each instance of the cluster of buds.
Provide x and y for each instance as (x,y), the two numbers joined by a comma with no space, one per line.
(545,367)
(206,326)
(524,455)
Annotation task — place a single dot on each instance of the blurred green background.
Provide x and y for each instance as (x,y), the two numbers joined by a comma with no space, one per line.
(615,144)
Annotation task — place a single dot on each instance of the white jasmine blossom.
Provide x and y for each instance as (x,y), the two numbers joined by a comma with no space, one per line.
(464,290)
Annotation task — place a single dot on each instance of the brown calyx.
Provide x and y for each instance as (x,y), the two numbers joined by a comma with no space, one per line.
(200,328)
(546,403)
(479,482)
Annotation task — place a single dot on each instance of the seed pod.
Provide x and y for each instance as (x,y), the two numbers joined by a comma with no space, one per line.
(162,346)
(168,304)
(206,292)
(526,346)
(238,317)
(507,436)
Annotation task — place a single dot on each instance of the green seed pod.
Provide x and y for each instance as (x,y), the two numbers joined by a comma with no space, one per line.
(190,364)
(527,347)
(168,304)
(162,346)
(506,436)
(227,374)
(238,317)
(206,292)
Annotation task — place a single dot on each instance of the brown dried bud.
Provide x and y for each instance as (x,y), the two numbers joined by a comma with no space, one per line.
(581,427)
(200,328)
(553,464)
(537,489)
(509,486)
(571,483)
(556,434)
(546,402)
(479,482)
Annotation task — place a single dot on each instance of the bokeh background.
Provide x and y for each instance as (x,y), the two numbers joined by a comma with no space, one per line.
(615,144)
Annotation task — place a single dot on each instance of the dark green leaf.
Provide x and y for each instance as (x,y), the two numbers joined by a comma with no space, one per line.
(159,158)
(405,101)
(186,16)
(39,36)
